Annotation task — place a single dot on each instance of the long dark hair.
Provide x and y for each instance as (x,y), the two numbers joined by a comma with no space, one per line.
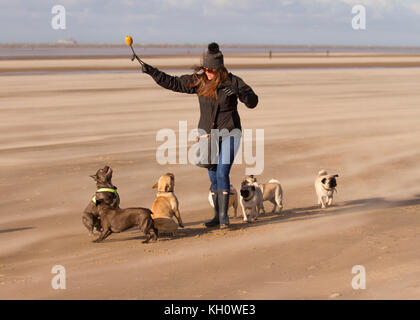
(208,88)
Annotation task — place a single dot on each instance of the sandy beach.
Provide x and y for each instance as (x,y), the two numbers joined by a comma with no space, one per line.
(362,123)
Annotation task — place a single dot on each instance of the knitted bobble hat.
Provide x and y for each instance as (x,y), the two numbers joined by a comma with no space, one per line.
(214,57)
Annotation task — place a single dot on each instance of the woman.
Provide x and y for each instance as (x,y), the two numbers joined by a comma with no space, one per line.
(218,92)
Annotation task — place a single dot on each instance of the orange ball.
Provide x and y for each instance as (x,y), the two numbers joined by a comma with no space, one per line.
(128,40)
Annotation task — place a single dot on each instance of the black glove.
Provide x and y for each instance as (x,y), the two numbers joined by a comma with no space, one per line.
(231,91)
(146,68)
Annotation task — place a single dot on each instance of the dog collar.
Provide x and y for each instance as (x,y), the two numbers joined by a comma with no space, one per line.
(107,190)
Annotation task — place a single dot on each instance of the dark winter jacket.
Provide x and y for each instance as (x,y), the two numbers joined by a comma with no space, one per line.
(227,116)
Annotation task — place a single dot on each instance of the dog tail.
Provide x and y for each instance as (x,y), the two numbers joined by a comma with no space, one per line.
(322,173)
(274,181)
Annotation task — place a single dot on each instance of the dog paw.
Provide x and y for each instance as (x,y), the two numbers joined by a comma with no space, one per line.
(181,226)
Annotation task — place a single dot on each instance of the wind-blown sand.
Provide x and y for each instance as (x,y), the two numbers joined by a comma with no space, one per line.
(363,124)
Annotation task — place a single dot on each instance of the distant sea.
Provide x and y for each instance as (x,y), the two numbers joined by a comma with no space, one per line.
(26,51)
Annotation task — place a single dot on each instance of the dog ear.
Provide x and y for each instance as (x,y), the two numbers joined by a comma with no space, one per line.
(166,188)
(336,176)
(155,186)
(324,180)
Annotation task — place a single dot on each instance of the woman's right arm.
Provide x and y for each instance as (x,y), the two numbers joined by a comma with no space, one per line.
(182,84)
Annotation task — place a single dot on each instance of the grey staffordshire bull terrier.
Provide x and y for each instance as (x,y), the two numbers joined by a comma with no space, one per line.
(119,220)
(106,192)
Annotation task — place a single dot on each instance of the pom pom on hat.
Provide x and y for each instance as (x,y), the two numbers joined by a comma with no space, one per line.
(213,48)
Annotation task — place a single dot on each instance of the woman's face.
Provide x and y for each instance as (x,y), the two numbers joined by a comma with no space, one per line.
(209,73)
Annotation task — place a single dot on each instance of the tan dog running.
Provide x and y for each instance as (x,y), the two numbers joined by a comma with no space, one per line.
(325,186)
(165,206)
(251,201)
(271,191)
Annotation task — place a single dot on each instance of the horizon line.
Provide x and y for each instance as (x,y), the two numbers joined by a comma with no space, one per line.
(232,45)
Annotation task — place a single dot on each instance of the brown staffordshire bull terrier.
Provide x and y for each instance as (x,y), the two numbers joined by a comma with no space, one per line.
(165,206)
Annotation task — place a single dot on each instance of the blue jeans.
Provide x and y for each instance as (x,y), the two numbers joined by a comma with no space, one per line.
(219,177)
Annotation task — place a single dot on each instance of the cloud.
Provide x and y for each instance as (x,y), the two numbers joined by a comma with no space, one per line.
(415,7)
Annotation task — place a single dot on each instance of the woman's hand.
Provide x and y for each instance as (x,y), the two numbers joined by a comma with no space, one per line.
(232,90)
(146,68)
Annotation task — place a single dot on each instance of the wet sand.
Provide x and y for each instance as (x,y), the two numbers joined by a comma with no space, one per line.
(58,129)
(233,61)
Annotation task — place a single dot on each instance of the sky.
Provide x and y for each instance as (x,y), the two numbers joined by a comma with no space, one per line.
(287,22)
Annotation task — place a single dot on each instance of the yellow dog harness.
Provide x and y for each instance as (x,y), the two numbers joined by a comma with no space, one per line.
(107,190)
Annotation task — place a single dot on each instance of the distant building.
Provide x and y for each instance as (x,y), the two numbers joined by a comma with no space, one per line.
(66,41)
